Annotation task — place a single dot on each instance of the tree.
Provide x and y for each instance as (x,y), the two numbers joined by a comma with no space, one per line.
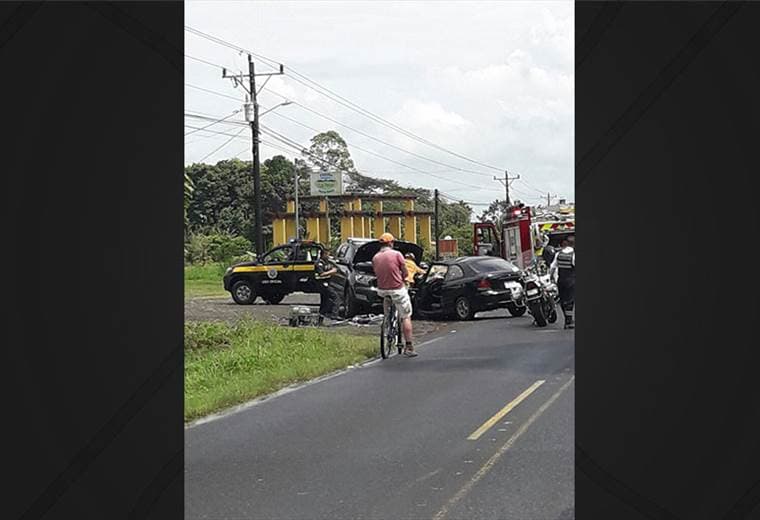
(495,212)
(329,153)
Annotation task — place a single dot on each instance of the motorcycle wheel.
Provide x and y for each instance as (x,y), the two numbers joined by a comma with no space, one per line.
(537,310)
(552,317)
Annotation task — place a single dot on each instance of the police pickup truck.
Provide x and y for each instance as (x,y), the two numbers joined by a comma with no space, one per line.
(282,270)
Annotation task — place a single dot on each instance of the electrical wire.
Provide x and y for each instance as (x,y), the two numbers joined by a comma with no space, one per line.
(404,165)
(334,96)
(214,122)
(228,141)
(308,109)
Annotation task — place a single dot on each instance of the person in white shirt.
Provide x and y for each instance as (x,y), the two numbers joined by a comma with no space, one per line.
(562,271)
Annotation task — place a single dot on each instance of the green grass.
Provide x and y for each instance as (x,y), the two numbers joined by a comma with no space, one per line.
(204,280)
(230,364)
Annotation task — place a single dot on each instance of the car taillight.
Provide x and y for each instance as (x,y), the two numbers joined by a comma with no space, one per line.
(485,283)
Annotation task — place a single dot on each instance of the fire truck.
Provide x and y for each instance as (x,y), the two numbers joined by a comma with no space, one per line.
(520,239)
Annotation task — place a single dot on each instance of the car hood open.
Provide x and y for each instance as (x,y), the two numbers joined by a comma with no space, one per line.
(368,250)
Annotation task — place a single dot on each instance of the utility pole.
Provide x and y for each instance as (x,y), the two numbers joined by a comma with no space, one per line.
(298,231)
(505,181)
(253,119)
(437,257)
(549,198)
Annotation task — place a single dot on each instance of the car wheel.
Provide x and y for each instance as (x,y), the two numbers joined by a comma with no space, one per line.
(463,308)
(243,293)
(273,299)
(516,310)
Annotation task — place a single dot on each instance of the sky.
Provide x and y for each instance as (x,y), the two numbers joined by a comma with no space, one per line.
(490,81)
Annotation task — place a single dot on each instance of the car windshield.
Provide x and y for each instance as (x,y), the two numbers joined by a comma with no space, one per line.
(486,265)
(437,271)
(277,256)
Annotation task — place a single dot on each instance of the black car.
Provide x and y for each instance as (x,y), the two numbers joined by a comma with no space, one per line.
(462,286)
(282,270)
(355,281)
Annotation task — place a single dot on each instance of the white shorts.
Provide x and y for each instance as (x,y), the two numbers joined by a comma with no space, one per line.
(400,298)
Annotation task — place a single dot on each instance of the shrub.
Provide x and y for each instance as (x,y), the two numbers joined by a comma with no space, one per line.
(216,247)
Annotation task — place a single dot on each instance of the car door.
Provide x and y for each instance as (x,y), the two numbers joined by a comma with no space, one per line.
(454,286)
(304,267)
(339,280)
(431,288)
(278,270)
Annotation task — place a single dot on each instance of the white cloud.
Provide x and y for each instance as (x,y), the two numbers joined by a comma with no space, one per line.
(489,80)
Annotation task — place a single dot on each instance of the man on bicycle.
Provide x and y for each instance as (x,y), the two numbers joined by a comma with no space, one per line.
(390,270)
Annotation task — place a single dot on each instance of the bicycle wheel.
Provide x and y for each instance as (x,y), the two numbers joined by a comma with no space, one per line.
(386,331)
(398,336)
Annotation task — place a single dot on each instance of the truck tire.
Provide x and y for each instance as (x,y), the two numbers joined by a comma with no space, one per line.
(350,305)
(243,292)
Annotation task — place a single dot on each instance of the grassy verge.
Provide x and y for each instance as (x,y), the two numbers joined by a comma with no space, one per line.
(230,364)
(204,280)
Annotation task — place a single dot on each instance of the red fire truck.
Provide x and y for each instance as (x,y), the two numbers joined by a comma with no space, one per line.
(520,238)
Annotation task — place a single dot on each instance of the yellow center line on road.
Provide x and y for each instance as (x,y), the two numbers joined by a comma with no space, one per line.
(495,457)
(504,411)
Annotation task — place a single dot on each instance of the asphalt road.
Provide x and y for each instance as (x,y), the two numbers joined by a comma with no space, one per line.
(389,440)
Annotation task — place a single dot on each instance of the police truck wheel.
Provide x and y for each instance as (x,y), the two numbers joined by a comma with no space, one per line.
(273,299)
(516,310)
(243,293)
(463,309)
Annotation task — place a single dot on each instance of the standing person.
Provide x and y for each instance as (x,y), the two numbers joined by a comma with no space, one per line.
(412,268)
(390,270)
(325,268)
(548,254)
(564,266)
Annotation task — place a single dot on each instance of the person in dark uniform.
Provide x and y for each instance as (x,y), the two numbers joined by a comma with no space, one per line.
(548,254)
(564,266)
(325,268)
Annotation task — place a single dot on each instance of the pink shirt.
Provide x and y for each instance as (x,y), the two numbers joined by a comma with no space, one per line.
(390,269)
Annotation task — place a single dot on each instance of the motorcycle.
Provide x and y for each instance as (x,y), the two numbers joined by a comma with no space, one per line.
(541,295)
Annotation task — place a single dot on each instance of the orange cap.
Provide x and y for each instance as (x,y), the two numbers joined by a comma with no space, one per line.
(386,238)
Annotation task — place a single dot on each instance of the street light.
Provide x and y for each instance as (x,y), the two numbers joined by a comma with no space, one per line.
(283,104)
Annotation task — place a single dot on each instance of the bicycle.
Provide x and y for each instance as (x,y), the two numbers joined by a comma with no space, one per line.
(390,331)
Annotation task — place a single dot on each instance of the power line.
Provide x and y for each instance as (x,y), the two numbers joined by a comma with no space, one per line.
(213,92)
(377,139)
(404,165)
(334,96)
(354,146)
(228,141)
(214,122)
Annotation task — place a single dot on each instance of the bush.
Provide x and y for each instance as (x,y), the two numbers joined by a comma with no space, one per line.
(216,247)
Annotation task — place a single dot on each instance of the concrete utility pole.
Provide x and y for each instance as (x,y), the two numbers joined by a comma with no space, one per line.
(298,231)
(252,115)
(506,181)
(437,256)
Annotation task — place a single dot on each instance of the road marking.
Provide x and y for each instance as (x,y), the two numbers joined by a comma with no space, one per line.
(495,457)
(504,411)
